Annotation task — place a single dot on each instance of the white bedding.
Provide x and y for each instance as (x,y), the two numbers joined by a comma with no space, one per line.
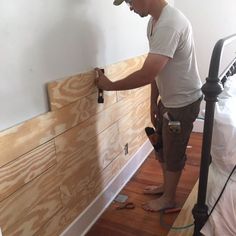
(223,219)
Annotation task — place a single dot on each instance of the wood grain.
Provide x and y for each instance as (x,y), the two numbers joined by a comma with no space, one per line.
(25,211)
(98,123)
(65,91)
(54,165)
(61,220)
(25,168)
(99,182)
(13,141)
(81,165)
(65,216)
(23,138)
(124,68)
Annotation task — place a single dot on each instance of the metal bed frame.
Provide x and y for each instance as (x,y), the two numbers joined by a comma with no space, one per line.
(211,89)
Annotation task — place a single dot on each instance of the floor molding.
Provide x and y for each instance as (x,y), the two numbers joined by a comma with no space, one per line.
(85,221)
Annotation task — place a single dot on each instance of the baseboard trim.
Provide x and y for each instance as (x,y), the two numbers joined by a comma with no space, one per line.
(85,221)
(198,126)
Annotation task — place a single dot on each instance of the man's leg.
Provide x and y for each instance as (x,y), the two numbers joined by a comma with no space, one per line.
(157,189)
(174,145)
(167,200)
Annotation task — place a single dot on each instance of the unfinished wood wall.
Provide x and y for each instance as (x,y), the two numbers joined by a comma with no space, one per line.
(54,165)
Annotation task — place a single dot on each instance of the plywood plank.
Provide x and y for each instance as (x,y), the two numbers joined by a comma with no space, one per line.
(77,168)
(134,122)
(61,220)
(23,138)
(25,211)
(65,216)
(122,69)
(99,182)
(65,91)
(185,217)
(13,141)
(79,135)
(25,168)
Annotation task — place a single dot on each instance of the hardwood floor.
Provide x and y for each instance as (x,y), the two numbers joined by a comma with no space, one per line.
(137,222)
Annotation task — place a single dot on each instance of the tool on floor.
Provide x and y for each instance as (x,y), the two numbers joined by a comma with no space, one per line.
(154,138)
(125,205)
(121,198)
(100,92)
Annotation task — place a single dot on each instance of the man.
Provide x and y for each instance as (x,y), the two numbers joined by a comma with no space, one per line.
(171,69)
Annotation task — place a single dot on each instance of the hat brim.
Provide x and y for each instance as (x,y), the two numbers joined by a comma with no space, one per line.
(118,2)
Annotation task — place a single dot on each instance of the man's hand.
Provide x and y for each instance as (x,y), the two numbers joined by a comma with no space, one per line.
(102,82)
(154,114)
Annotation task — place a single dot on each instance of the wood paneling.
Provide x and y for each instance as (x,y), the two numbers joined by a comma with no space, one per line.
(122,69)
(54,165)
(79,167)
(66,215)
(25,168)
(25,211)
(71,89)
(98,123)
(47,126)
(68,90)
(100,181)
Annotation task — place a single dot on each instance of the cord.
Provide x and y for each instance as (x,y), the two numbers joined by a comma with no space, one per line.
(170,227)
(222,191)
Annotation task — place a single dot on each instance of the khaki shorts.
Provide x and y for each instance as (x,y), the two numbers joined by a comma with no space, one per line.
(175,144)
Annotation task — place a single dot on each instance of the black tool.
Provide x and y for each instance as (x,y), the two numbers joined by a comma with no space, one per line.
(154,138)
(100,92)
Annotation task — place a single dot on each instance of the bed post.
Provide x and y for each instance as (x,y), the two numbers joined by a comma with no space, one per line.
(211,89)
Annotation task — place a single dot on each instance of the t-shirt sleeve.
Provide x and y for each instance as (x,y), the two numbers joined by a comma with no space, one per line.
(164,41)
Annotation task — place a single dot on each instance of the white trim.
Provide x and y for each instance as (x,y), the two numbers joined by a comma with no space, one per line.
(198,126)
(89,216)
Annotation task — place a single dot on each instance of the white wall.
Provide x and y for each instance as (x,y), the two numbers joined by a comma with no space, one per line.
(43,40)
(211,20)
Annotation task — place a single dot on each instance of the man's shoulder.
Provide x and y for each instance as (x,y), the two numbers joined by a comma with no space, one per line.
(175,17)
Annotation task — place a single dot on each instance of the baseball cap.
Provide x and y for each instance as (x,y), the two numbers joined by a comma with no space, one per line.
(118,2)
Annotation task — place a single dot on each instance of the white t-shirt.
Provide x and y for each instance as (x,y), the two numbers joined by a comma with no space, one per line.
(178,83)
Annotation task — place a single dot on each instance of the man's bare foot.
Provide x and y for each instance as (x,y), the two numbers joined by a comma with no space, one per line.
(154,190)
(158,204)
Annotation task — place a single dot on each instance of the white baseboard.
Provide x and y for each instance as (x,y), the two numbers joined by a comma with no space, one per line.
(89,216)
(198,126)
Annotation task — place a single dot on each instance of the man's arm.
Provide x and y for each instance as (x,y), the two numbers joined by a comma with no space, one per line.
(152,66)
